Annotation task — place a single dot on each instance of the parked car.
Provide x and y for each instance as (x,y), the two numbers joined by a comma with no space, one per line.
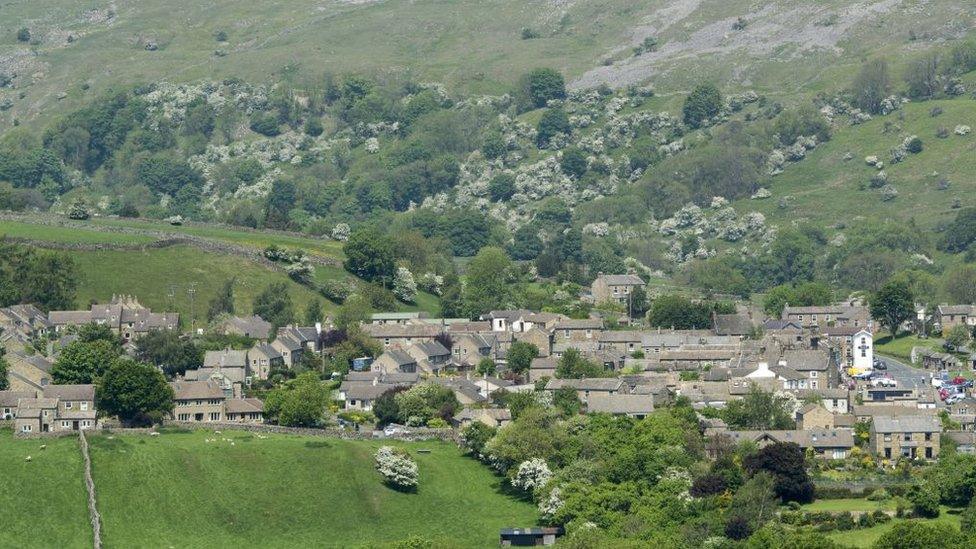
(880,365)
(954,398)
(866,375)
(884,382)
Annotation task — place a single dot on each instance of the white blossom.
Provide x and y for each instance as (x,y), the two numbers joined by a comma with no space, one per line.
(397,467)
(533,473)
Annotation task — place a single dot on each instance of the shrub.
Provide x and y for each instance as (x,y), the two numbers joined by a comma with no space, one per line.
(914,145)
(493,146)
(878,495)
(573,162)
(313,126)
(397,467)
(703,103)
(532,474)
(265,124)
(552,123)
(844,521)
(23,35)
(866,521)
(501,187)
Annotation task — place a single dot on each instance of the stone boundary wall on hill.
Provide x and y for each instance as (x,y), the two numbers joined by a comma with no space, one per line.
(164,239)
(93,515)
(412,434)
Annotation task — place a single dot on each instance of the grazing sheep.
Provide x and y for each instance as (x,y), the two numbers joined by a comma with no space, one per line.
(28,458)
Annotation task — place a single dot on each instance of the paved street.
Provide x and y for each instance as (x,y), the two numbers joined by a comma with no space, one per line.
(905,375)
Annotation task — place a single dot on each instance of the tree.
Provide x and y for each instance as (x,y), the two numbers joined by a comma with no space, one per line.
(370,256)
(487,285)
(404,286)
(4,366)
(960,284)
(752,506)
(313,312)
(83,362)
(925,500)
(385,407)
(397,467)
(920,534)
(872,85)
(501,187)
(168,351)
(572,365)
(958,336)
(223,302)
(961,232)
(486,367)
(893,305)
(274,305)
(760,410)
(135,392)
(303,403)
(703,103)
(803,295)
(553,122)
(535,89)
(23,34)
(922,76)
(567,401)
(573,162)
(520,356)
(680,313)
(638,302)
(785,461)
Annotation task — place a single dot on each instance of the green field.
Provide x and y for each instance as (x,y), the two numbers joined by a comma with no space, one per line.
(42,501)
(53,233)
(865,537)
(178,490)
(901,347)
(149,275)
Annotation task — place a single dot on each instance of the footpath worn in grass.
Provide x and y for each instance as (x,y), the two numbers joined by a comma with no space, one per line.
(287,491)
(42,502)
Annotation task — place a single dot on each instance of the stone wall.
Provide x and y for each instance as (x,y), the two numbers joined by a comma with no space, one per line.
(421,433)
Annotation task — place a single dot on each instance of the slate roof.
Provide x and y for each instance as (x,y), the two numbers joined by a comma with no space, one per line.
(197,390)
(254,326)
(70,392)
(225,358)
(806,360)
(244,405)
(381,331)
(907,424)
(587,384)
(619,404)
(621,280)
(9,399)
(579,324)
(733,324)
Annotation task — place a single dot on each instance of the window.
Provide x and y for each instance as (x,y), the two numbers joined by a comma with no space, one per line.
(887,438)
(566,333)
(26,429)
(84,406)
(908,437)
(813,374)
(928,437)
(214,416)
(68,405)
(589,333)
(66,424)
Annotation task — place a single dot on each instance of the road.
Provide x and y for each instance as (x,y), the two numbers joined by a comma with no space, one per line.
(905,375)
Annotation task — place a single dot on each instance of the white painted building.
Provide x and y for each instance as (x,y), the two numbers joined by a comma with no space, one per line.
(863,351)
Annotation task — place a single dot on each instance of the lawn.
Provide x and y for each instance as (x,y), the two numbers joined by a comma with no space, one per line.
(901,347)
(867,536)
(178,490)
(150,275)
(42,501)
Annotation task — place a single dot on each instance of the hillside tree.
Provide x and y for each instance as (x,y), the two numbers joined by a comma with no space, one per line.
(135,392)
(892,305)
(274,305)
(703,103)
(872,85)
(223,302)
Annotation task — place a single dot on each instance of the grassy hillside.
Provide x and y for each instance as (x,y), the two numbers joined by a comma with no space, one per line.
(81,47)
(149,275)
(825,188)
(285,491)
(43,500)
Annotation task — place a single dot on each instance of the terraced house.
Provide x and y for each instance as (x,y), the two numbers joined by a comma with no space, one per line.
(56,408)
(124,315)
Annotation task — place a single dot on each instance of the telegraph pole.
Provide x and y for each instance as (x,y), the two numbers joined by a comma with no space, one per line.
(192,290)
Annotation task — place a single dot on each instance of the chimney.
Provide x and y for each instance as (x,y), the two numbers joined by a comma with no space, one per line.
(376,381)
(318,328)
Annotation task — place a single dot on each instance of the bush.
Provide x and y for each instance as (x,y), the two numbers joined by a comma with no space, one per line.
(313,127)
(501,187)
(265,124)
(914,145)
(703,103)
(866,521)
(878,495)
(23,35)
(844,521)
(573,162)
(532,474)
(552,123)
(397,467)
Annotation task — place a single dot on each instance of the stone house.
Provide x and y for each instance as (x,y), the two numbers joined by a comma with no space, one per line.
(947,317)
(588,386)
(289,348)
(825,443)
(200,401)
(542,339)
(28,372)
(58,408)
(124,315)
(909,436)
(587,329)
(492,417)
(626,341)
(615,288)
(637,406)
(820,316)
(401,335)
(469,349)
(252,326)
(26,322)
(8,403)
(395,361)
(814,416)
(263,358)
(430,356)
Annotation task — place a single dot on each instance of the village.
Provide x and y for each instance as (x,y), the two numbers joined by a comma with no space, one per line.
(844,396)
